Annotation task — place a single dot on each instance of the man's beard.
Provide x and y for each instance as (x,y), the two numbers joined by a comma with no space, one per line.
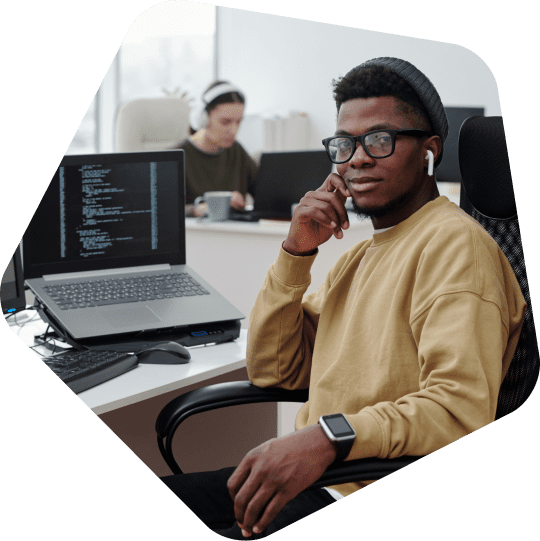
(366,213)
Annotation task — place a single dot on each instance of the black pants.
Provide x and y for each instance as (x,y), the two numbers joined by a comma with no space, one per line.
(206,494)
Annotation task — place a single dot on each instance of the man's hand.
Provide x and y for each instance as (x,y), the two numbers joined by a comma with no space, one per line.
(318,216)
(273,473)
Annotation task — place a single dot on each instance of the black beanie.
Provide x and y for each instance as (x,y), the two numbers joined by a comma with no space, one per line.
(423,88)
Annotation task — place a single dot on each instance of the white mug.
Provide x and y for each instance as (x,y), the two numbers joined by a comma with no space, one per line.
(218,205)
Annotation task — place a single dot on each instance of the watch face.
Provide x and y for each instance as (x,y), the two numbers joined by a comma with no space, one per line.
(338,426)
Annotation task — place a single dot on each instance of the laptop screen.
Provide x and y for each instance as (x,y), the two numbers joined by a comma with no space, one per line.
(105,211)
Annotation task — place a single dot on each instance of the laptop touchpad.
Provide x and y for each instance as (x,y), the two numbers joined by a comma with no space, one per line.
(133,315)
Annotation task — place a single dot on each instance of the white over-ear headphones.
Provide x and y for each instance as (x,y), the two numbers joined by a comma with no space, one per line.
(430,159)
(199,115)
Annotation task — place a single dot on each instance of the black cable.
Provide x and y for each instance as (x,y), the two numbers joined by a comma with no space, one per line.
(47,338)
(33,348)
(52,339)
(57,328)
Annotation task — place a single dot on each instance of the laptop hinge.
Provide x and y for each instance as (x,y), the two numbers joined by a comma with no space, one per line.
(107,272)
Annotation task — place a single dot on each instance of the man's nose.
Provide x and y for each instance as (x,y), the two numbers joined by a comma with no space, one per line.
(360,156)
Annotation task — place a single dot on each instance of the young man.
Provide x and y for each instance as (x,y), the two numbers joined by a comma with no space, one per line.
(410,336)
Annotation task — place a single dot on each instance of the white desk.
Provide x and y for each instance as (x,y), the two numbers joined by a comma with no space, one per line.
(150,380)
(129,405)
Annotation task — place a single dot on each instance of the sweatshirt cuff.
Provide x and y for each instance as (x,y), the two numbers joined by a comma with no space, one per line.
(369,439)
(293,269)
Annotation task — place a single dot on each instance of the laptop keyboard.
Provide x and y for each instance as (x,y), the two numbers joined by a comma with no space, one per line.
(90,293)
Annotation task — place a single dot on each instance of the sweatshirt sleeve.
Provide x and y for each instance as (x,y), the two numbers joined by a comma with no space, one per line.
(283,324)
(461,346)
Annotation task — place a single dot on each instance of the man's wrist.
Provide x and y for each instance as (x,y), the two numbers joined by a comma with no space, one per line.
(297,253)
(327,449)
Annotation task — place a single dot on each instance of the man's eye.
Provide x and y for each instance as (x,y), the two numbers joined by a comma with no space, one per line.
(343,145)
(381,138)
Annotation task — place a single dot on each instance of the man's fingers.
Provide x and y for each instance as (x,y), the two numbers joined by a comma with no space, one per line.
(256,507)
(335,183)
(319,215)
(331,210)
(237,479)
(244,497)
(275,505)
(324,217)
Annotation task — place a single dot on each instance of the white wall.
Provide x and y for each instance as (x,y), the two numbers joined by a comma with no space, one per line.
(287,64)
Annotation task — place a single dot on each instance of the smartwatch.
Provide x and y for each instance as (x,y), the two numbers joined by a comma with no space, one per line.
(339,431)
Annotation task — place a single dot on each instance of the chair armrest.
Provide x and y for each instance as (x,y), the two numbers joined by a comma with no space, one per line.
(220,395)
(236,393)
(364,469)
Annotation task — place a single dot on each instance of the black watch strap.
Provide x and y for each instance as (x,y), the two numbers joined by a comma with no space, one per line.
(343,449)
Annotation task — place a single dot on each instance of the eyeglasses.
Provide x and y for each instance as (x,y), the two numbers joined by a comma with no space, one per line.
(377,144)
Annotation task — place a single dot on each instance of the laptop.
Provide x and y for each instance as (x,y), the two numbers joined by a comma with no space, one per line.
(284,178)
(108,229)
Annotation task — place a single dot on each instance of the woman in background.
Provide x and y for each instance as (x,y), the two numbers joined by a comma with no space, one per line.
(215,161)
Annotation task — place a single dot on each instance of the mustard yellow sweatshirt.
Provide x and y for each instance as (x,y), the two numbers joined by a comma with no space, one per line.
(409,337)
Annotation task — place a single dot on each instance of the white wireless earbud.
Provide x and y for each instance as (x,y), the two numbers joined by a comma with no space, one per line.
(430,159)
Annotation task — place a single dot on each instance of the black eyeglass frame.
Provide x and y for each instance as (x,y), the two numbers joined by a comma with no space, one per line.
(361,138)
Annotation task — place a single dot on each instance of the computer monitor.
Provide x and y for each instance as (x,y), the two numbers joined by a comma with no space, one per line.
(285,177)
(12,295)
(448,170)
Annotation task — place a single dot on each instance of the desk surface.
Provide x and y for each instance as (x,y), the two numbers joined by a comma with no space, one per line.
(149,380)
(261,228)
(281,227)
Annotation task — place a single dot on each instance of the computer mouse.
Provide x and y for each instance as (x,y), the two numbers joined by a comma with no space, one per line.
(164,353)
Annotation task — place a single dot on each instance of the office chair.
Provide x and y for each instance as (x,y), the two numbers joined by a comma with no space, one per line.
(489,199)
(487,195)
(149,124)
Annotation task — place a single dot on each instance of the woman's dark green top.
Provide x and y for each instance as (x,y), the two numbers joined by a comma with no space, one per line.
(232,169)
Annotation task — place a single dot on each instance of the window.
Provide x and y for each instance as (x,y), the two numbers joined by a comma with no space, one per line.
(169,48)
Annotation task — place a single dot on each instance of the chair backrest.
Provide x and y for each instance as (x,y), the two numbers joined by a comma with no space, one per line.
(488,196)
(148,124)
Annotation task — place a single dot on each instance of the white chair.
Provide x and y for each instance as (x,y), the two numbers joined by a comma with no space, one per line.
(148,124)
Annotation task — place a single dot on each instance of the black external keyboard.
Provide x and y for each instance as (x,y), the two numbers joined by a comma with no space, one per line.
(86,294)
(80,370)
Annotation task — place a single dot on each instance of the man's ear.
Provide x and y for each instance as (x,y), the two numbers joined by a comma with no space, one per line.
(434,144)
